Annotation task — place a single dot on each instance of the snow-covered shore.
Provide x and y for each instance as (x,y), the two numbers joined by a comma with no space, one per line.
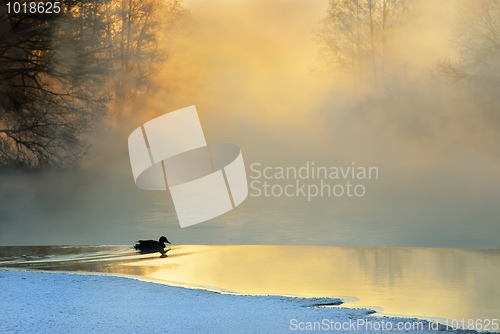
(34,302)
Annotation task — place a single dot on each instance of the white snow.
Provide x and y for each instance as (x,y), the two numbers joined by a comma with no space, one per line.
(35,302)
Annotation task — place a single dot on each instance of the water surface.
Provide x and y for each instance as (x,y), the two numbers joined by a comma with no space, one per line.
(424,282)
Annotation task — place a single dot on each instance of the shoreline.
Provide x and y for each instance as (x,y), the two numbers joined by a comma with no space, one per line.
(340,301)
(399,283)
(192,300)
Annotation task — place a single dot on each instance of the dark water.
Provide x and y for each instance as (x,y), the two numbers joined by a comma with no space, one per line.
(433,283)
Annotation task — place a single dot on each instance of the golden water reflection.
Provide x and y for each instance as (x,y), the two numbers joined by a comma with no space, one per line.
(425,282)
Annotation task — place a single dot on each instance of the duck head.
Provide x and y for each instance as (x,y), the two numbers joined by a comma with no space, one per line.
(163,239)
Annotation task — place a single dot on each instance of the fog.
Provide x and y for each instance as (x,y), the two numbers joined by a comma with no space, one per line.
(258,74)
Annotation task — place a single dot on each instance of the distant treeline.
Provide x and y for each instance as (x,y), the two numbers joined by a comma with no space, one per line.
(367,50)
(59,73)
(358,38)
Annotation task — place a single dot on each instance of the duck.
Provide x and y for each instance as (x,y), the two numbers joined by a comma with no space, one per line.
(152,246)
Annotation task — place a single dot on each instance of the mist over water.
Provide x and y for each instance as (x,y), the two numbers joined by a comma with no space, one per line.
(253,71)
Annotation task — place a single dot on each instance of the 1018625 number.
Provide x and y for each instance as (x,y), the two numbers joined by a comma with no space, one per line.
(33,7)
(472,324)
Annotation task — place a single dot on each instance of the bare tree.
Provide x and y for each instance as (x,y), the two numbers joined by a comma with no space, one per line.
(355,37)
(478,42)
(476,72)
(45,105)
(132,36)
(57,73)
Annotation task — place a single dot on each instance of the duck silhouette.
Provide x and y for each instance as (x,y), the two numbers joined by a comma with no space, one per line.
(152,246)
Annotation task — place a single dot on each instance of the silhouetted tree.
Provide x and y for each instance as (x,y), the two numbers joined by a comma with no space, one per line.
(132,35)
(58,72)
(47,101)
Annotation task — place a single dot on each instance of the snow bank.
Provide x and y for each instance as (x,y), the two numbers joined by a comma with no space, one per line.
(33,302)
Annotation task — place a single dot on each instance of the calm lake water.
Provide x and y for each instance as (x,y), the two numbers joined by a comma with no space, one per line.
(424,282)
(89,207)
